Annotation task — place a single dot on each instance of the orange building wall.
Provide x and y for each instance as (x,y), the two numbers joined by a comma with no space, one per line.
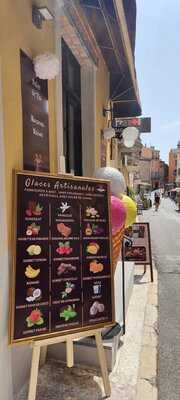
(146,152)
(172,166)
(155,165)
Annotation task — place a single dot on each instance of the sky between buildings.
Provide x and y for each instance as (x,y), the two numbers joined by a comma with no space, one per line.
(158,70)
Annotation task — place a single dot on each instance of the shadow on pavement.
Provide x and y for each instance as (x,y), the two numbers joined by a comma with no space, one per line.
(57,382)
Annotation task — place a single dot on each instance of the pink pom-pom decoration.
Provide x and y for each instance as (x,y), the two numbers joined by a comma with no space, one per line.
(118,214)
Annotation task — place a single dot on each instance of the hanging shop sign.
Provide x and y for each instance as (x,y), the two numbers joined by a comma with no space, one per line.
(35,118)
(137,244)
(62,275)
(141,123)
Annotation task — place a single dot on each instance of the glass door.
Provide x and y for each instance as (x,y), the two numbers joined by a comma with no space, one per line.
(71,75)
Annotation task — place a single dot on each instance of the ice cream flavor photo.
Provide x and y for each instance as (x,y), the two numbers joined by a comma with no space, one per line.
(65,268)
(63,229)
(32,272)
(69,287)
(96,267)
(68,313)
(92,213)
(64,248)
(93,229)
(34,209)
(97,308)
(32,230)
(34,250)
(93,248)
(35,318)
(33,295)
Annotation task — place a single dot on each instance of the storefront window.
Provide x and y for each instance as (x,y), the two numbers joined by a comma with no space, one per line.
(71,79)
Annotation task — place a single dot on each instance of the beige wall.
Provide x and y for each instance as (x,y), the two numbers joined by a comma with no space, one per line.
(102,97)
(17,32)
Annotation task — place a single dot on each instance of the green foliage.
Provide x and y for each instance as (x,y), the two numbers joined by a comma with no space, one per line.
(131,193)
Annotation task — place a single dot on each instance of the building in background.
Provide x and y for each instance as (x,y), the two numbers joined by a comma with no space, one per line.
(155,168)
(153,171)
(174,166)
(164,171)
(145,165)
(178,165)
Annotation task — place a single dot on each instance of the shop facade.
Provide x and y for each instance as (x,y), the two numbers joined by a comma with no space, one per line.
(76,99)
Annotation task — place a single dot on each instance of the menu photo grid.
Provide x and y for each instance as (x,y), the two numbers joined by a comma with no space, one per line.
(63,269)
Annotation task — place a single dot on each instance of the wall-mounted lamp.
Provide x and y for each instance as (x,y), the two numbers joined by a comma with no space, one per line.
(106,111)
(40,14)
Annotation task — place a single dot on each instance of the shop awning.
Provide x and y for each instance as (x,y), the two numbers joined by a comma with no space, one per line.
(113,23)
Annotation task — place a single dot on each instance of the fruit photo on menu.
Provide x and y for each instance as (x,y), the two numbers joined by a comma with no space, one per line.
(32,272)
(96,266)
(34,209)
(92,248)
(34,250)
(34,295)
(64,248)
(92,213)
(68,290)
(32,229)
(93,229)
(68,313)
(35,318)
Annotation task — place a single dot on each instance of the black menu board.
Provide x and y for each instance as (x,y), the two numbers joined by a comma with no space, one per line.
(35,118)
(138,244)
(62,275)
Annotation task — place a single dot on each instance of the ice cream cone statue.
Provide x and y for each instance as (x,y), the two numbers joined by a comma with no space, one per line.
(118,217)
(118,211)
(117,239)
(123,209)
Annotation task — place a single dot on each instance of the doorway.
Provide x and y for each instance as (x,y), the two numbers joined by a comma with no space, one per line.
(71,91)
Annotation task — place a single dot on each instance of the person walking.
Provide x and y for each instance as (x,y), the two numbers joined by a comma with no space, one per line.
(157,201)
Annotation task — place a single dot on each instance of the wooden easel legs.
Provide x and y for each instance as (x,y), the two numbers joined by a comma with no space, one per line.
(103,365)
(40,347)
(34,372)
(69,353)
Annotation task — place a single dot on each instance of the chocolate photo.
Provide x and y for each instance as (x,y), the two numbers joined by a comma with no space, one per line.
(135,253)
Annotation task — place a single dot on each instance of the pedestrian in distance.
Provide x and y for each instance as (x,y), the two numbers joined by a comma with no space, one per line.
(157,201)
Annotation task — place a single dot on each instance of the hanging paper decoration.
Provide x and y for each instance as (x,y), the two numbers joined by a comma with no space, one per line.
(46,66)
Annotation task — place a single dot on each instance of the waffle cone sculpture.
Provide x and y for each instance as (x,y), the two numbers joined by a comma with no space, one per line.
(116,245)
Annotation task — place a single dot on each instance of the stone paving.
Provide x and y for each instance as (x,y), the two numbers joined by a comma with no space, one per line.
(147,382)
(135,374)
